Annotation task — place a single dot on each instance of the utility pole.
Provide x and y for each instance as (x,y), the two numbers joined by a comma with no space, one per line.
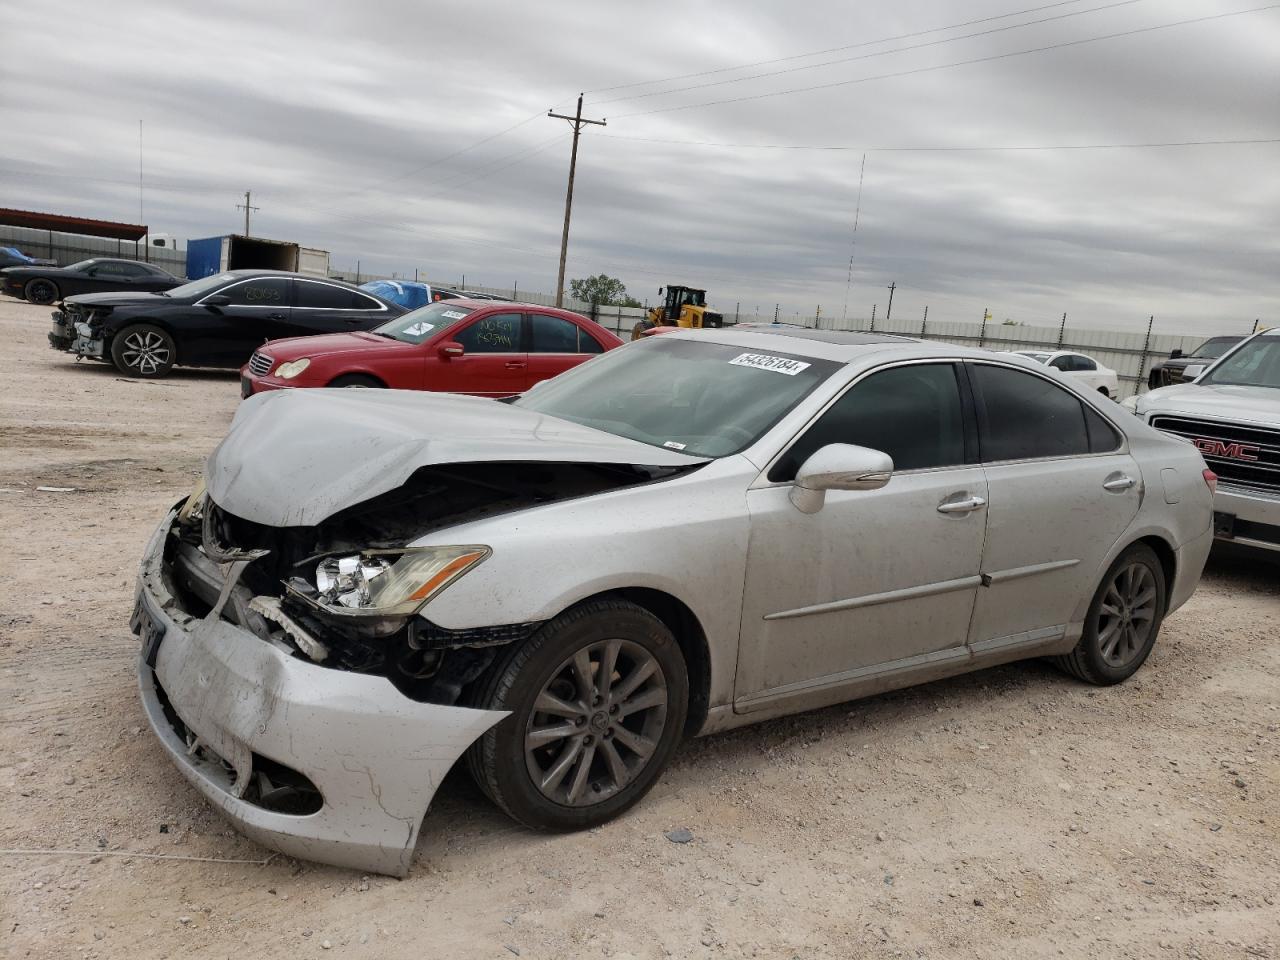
(246,206)
(577,122)
(888,313)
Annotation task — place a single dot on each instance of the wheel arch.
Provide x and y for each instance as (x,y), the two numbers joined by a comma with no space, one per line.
(357,372)
(1168,558)
(690,635)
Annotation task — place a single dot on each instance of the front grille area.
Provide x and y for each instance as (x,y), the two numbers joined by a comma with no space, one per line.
(260,364)
(1247,456)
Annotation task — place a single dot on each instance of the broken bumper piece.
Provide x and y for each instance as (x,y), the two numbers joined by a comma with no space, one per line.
(246,723)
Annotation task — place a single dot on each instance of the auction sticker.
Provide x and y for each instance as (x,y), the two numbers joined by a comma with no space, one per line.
(453,314)
(763,361)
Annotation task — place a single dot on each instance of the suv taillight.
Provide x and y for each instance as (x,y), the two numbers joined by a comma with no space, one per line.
(1211,480)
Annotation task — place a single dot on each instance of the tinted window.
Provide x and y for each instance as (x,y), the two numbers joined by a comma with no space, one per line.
(263,292)
(1061,363)
(554,335)
(587,343)
(323,296)
(1103,437)
(1082,364)
(1027,417)
(496,333)
(108,270)
(912,413)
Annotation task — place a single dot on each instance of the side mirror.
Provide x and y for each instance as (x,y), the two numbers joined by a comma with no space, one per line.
(217,300)
(1192,371)
(451,348)
(1175,354)
(839,466)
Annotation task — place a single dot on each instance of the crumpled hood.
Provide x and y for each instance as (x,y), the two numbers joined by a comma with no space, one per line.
(294,457)
(1217,401)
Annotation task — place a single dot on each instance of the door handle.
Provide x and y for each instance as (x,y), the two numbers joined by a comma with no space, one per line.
(516,364)
(275,316)
(1121,482)
(968,505)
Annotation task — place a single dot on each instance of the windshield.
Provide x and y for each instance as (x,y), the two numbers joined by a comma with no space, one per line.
(1213,349)
(1256,364)
(700,398)
(416,326)
(198,288)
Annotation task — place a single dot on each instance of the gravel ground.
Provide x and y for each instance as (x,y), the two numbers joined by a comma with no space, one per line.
(1013,812)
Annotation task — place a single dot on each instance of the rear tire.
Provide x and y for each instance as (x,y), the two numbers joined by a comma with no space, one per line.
(1123,620)
(143,350)
(356,380)
(41,291)
(578,750)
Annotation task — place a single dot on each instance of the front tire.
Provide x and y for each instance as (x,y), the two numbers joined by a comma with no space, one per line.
(143,350)
(1123,620)
(41,291)
(598,700)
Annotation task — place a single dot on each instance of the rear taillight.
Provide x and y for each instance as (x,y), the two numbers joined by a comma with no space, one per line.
(1211,480)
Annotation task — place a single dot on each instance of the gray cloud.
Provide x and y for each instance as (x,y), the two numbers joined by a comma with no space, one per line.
(342,120)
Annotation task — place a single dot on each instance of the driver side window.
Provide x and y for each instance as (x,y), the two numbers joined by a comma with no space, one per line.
(913,413)
(496,333)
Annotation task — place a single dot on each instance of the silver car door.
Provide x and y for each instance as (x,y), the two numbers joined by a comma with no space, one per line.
(876,581)
(1062,489)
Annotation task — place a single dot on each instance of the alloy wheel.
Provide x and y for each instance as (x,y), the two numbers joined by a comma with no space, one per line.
(145,351)
(596,722)
(1127,615)
(40,291)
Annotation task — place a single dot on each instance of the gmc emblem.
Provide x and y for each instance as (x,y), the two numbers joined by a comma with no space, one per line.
(1232,451)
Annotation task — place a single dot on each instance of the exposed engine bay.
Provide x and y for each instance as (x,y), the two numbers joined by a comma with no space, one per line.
(346,593)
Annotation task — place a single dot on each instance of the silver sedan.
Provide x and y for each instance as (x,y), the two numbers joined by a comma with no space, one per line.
(688,534)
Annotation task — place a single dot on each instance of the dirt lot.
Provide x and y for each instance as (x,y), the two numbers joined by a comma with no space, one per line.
(1010,813)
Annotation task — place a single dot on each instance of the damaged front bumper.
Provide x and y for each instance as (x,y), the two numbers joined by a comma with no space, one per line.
(70,335)
(244,720)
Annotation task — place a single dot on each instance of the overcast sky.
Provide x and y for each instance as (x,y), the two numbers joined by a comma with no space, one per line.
(347,121)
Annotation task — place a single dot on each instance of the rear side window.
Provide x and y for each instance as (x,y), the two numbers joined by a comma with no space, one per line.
(553,335)
(1025,417)
(1103,437)
(328,296)
(912,413)
(1083,364)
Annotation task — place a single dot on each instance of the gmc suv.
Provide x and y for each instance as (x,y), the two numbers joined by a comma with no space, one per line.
(1230,410)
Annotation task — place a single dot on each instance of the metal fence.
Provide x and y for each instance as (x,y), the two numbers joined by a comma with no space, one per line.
(1131,355)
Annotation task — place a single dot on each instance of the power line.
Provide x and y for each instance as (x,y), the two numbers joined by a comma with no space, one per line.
(947,149)
(851,46)
(877,53)
(957,63)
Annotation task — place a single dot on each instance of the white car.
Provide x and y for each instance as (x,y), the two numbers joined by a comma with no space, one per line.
(686,534)
(1077,366)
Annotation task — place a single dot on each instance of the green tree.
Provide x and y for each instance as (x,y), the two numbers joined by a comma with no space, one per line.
(602,290)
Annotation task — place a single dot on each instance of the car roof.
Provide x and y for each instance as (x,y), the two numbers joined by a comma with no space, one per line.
(241,274)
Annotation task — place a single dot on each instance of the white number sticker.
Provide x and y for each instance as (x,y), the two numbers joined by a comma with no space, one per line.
(453,314)
(763,361)
(673,445)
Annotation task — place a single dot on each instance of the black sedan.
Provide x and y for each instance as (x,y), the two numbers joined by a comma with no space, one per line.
(100,275)
(216,321)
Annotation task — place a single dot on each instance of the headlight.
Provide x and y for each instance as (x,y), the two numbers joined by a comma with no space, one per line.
(390,582)
(287,371)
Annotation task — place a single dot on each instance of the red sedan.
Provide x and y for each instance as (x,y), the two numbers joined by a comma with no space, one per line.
(480,347)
